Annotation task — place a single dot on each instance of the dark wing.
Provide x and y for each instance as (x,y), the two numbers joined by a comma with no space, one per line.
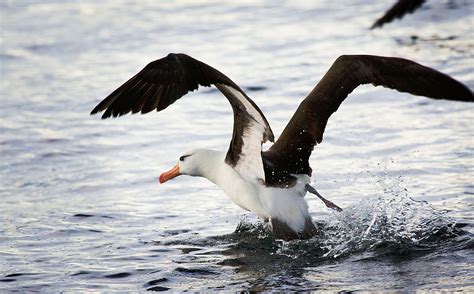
(398,10)
(305,129)
(165,80)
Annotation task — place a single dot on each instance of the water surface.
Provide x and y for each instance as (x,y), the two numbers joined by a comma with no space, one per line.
(81,207)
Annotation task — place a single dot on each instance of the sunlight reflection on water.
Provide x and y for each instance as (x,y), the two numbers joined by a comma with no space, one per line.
(81,207)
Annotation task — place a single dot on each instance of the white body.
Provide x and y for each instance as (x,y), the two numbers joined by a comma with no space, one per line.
(285,204)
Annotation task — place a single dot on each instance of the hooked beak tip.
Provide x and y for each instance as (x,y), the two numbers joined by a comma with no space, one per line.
(168,175)
(161,179)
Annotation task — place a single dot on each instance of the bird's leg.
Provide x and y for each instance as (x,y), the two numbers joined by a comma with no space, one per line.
(328,203)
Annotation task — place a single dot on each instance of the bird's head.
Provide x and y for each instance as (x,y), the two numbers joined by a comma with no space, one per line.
(190,163)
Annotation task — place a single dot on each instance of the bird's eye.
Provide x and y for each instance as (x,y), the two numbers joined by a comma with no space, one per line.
(183,157)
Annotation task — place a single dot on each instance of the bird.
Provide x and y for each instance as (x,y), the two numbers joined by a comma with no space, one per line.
(270,183)
(398,10)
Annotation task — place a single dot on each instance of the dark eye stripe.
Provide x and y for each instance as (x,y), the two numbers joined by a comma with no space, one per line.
(183,157)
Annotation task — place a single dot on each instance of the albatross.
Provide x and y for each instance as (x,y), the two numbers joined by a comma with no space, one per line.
(398,10)
(271,183)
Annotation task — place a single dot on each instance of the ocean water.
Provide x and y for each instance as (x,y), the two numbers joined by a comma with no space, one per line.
(81,208)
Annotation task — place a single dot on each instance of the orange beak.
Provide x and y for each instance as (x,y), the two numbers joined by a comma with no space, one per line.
(168,175)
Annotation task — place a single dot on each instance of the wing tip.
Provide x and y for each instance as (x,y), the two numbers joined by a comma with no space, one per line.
(94,111)
(107,113)
(466,96)
(99,109)
(103,105)
(458,91)
(377,24)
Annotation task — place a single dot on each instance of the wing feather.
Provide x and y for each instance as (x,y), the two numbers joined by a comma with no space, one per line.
(166,80)
(398,10)
(306,127)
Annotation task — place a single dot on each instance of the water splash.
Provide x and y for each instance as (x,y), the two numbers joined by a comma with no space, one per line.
(393,219)
(377,230)
(391,224)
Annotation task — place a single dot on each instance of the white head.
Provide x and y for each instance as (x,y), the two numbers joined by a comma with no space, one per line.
(196,162)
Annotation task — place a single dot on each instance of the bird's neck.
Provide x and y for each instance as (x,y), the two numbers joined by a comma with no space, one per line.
(212,165)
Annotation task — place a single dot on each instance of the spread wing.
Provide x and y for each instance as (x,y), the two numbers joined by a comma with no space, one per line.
(398,10)
(306,127)
(165,80)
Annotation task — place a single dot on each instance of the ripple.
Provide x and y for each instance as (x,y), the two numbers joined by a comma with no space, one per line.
(156,282)
(78,199)
(232,262)
(153,285)
(83,272)
(175,232)
(55,154)
(20,274)
(85,215)
(118,275)
(189,249)
(255,88)
(194,271)
(158,289)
